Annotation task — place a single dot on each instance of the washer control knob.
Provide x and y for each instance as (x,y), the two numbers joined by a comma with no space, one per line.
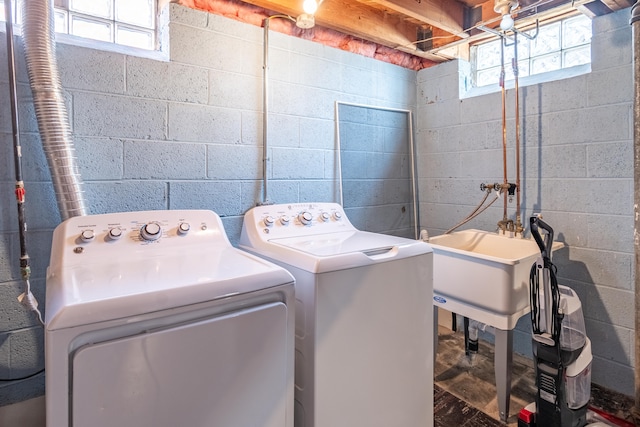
(305,217)
(337,215)
(324,216)
(151,231)
(284,220)
(114,233)
(183,228)
(87,236)
(269,220)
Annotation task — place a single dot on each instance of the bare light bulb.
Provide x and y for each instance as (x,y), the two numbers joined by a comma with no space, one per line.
(310,6)
(507,22)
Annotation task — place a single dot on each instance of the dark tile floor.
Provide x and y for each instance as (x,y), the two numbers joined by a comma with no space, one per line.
(465,393)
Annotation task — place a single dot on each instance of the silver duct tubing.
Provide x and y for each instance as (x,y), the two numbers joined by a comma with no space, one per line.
(635,23)
(51,113)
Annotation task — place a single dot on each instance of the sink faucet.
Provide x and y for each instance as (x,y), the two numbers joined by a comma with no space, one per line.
(519,229)
(506,225)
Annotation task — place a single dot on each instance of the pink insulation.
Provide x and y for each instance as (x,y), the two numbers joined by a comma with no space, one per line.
(254,15)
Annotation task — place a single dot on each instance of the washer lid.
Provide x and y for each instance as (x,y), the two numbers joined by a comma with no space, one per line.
(93,293)
(341,250)
(322,245)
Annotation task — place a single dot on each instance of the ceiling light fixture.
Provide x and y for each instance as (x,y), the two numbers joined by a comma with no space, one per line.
(507,22)
(310,6)
(504,8)
(307,19)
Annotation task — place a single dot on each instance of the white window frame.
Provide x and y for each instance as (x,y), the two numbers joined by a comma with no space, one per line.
(63,7)
(157,51)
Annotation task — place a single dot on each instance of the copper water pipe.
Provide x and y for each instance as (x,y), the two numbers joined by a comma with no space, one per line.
(504,127)
(518,226)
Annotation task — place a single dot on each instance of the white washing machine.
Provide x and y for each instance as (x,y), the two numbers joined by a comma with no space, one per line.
(153,319)
(364,313)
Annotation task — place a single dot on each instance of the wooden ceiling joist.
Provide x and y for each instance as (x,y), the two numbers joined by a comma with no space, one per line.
(398,24)
(446,15)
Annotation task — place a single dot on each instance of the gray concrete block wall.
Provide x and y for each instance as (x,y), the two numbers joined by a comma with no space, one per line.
(179,134)
(577,169)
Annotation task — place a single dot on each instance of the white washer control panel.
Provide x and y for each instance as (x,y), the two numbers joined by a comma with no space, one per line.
(295,219)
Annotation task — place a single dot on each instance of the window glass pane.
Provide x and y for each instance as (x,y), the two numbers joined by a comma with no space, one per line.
(523,70)
(577,56)
(548,40)
(60,17)
(136,12)
(488,76)
(101,8)
(135,38)
(542,64)
(558,45)
(576,31)
(488,55)
(96,30)
(16,9)
(509,52)
(127,22)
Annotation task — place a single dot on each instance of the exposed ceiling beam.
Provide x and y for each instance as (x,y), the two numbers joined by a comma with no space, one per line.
(446,15)
(617,4)
(358,20)
(361,21)
(436,26)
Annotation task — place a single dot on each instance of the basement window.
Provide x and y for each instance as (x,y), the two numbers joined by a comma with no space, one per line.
(558,45)
(122,22)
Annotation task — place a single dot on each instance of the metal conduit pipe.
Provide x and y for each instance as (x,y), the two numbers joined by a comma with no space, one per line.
(51,113)
(635,23)
(265,108)
(265,114)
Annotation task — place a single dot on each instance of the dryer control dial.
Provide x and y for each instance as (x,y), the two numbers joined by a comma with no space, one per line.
(114,233)
(151,231)
(324,216)
(87,236)
(284,220)
(337,215)
(305,217)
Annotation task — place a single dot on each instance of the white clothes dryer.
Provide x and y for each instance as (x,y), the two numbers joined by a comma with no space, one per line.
(153,319)
(364,331)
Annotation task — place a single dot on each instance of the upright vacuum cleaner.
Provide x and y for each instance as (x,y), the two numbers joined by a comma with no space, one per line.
(561,349)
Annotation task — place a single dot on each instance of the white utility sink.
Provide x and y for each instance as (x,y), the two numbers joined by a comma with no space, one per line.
(487,270)
(485,276)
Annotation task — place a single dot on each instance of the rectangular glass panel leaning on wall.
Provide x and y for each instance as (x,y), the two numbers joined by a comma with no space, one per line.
(377,168)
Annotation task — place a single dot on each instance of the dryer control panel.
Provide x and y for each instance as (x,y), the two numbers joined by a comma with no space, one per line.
(129,235)
(294,219)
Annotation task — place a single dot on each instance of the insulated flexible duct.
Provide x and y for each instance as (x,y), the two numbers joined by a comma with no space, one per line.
(51,113)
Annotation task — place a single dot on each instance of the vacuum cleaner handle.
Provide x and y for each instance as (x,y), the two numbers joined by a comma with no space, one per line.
(544,245)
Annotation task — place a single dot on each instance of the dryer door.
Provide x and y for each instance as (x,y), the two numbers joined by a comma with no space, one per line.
(224,371)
